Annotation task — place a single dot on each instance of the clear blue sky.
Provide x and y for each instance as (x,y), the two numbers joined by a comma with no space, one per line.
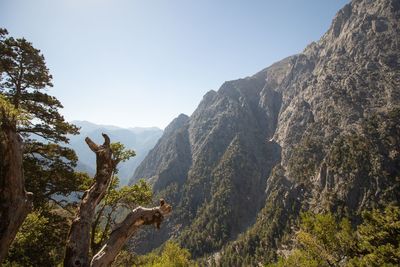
(142,63)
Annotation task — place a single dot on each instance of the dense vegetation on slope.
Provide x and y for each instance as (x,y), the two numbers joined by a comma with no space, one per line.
(317,131)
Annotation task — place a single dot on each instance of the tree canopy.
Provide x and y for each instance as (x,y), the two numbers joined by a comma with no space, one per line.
(323,240)
(48,163)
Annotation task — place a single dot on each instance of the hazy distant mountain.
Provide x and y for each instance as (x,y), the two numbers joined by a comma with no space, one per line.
(139,139)
(316,131)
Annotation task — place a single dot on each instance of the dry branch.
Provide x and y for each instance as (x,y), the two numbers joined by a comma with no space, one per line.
(123,231)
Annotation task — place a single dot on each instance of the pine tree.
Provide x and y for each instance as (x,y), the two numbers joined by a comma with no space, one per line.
(33,133)
(48,165)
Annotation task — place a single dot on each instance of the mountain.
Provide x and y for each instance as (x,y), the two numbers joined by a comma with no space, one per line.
(316,131)
(215,160)
(141,140)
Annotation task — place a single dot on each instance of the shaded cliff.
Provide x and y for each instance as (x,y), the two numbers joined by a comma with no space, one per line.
(213,165)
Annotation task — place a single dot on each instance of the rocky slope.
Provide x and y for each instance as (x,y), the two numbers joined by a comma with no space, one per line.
(317,131)
(213,165)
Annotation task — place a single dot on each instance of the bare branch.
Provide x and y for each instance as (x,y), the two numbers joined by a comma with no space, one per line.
(92,145)
(123,231)
(106,140)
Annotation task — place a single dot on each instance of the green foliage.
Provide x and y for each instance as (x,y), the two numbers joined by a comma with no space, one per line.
(322,240)
(48,173)
(325,240)
(129,196)
(24,79)
(116,204)
(120,153)
(210,229)
(230,202)
(8,112)
(297,258)
(171,256)
(40,241)
(379,238)
(250,248)
(48,164)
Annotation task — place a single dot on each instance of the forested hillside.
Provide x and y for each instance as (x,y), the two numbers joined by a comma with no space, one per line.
(317,131)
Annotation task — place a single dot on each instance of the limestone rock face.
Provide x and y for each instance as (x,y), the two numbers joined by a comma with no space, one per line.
(318,130)
(336,86)
(336,128)
(213,165)
(351,72)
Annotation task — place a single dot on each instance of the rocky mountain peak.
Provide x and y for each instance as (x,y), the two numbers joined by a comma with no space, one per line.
(176,123)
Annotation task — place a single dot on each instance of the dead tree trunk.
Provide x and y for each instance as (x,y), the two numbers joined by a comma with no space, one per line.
(15,202)
(138,217)
(78,241)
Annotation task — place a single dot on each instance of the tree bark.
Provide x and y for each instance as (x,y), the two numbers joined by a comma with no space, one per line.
(122,232)
(15,202)
(78,241)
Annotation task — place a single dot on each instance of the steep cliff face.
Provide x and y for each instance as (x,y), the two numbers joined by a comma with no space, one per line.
(317,131)
(213,165)
(337,128)
(169,160)
(331,99)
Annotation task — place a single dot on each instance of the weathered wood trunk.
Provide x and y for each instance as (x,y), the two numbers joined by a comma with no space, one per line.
(15,202)
(138,217)
(78,242)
